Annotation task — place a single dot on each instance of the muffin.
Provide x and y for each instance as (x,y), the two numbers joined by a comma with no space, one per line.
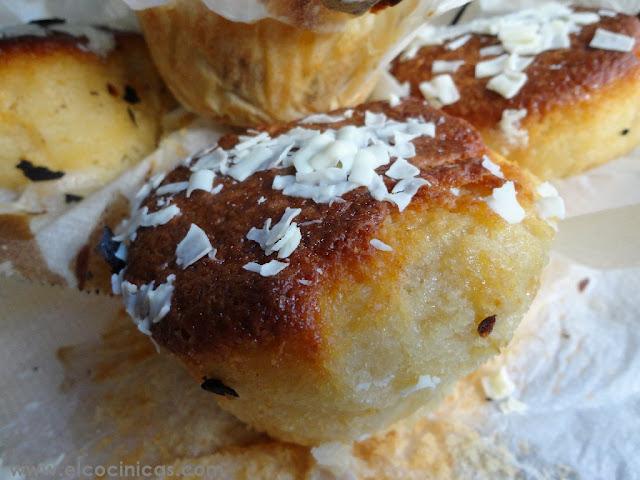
(244,74)
(79,106)
(325,278)
(78,101)
(555,89)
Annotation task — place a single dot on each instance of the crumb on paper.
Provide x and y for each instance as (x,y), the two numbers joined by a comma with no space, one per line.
(499,387)
(334,457)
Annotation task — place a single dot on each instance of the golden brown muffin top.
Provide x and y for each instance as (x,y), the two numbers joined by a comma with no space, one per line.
(555,78)
(217,304)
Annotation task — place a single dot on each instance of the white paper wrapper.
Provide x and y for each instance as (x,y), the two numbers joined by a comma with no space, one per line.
(105,12)
(249,11)
(109,398)
(113,399)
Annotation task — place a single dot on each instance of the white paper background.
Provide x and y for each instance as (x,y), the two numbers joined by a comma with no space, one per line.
(575,360)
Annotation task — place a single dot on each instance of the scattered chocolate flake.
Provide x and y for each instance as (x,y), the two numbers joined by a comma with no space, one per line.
(37,174)
(130,95)
(113,91)
(583,284)
(93,93)
(72,198)
(625,132)
(107,248)
(485,327)
(47,22)
(132,116)
(214,385)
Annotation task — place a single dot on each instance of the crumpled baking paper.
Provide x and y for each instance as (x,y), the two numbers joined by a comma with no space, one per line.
(79,386)
(248,11)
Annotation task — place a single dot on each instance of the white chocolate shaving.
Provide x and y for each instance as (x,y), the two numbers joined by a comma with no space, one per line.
(504,202)
(492,167)
(404,191)
(616,42)
(402,169)
(160,217)
(380,245)
(324,118)
(194,246)
(200,180)
(446,66)
(607,13)
(442,89)
(489,68)
(459,42)
(172,188)
(269,269)
(284,237)
(508,84)
(491,51)
(146,304)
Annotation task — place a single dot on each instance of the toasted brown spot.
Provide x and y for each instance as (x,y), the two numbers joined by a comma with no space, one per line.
(485,327)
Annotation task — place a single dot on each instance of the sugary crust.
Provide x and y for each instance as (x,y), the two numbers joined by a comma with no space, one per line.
(556,78)
(218,305)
